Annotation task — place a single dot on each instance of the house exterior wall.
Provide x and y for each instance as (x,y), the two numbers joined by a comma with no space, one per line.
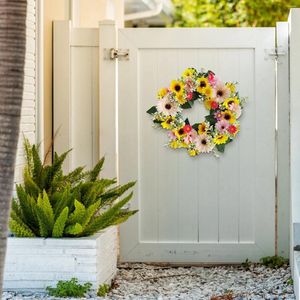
(28,117)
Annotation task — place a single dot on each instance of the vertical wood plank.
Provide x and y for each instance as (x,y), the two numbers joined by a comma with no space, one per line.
(108,99)
(81,108)
(229,176)
(168,174)
(148,179)
(61,89)
(247,155)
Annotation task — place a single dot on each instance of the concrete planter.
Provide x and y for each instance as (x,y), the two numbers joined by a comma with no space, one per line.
(35,263)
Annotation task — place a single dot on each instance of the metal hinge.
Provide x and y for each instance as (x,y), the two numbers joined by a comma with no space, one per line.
(274,53)
(121,54)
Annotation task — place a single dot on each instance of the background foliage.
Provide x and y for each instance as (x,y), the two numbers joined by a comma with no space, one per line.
(231,13)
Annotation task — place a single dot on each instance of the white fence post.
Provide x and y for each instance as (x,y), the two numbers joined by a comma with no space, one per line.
(294,36)
(108,98)
(283,138)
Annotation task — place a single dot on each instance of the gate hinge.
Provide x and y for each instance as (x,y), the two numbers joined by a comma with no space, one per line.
(121,54)
(274,53)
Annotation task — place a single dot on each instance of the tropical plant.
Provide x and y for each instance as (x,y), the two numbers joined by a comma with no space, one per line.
(52,204)
(12,54)
(231,13)
(69,288)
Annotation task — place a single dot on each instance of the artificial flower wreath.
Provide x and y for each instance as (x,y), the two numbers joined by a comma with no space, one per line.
(220,126)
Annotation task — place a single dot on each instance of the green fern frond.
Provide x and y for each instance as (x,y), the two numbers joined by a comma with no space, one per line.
(37,164)
(93,174)
(123,216)
(55,168)
(25,207)
(30,186)
(45,215)
(90,212)
(106,218)
(75,176)
(19,229)
(74,229)
(66,199)
(111,195)
(28,154)
(59,225)
(78,214)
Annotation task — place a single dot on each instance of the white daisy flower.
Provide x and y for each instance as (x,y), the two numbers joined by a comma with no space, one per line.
(203,143)
(167,107)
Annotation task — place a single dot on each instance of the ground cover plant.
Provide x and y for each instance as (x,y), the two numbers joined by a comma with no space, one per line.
(50,203)
(69,288)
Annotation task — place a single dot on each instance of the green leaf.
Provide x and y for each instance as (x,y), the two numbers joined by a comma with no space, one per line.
(186,121)
(78,214)
(195,126)
(152,110)
(187,105)
(195,96)
(221,148)
(74,229)
(211,119)
(59,225)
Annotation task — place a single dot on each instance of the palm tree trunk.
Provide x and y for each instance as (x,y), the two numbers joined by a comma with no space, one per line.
(12,55)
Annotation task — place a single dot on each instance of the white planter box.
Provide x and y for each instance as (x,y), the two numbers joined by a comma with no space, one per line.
(35,263)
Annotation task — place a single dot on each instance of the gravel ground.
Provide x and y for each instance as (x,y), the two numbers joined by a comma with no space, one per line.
(141,281)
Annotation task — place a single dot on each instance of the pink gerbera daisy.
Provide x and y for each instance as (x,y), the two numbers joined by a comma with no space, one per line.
(222,91)
(190,137)
(222,126)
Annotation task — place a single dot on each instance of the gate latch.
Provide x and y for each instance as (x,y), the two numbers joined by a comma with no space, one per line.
(121,54)
(274,53)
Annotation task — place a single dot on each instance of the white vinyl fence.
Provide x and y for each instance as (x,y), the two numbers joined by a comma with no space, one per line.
(192,210)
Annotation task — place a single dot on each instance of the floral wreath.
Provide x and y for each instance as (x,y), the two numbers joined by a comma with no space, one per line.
(220,126)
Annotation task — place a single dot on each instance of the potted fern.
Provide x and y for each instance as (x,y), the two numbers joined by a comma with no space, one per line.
(63,225)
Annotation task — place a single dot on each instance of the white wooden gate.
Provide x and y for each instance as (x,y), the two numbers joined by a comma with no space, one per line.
(199,209)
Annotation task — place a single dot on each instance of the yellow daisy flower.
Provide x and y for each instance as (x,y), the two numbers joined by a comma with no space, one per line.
(202,84)
(177,144)
(230,101)
(220,139)
(162,93)
(179,132)
(231,87)
(181,100)
(192,152)
(177,86)
(202,128)
(208,91)
(189,72)
(228,116)
(167,124)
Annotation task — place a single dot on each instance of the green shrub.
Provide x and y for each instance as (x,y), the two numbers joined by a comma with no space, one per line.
(103,290)
(69,288)
(53,204)
(274,262)
(231,13)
